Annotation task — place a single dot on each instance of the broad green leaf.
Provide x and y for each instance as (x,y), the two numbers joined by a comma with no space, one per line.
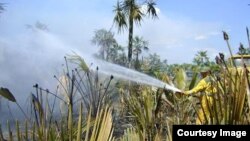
(193,81)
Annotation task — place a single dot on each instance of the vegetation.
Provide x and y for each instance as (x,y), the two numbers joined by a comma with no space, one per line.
(105,39)
(201,59)
(129,12)
(149,113)
(139,45)
(80,87)
(97,108)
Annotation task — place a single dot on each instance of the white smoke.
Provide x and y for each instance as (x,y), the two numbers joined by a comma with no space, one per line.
(29,59)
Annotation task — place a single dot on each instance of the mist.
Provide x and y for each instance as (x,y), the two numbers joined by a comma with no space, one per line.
(28,59)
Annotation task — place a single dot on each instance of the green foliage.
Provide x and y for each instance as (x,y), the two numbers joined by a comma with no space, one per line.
(105,39)
(152,113)
(193,81)
(180,79)
(201,59)
(143,107)
(153,63)
(89,115)
(129,12)
(139,44)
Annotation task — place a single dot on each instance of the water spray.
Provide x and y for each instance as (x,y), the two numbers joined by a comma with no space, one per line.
(174,89)
(131,75)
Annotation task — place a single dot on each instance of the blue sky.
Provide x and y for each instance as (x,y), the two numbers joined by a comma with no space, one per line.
(184,27)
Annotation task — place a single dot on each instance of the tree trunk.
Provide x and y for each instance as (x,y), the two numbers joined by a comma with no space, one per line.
(130,43)
(130,36)
(137,63)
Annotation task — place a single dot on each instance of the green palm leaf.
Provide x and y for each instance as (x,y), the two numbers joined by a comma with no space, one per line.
(120,17)
(151,9)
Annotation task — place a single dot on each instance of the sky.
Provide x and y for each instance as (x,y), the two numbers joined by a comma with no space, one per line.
(183,28)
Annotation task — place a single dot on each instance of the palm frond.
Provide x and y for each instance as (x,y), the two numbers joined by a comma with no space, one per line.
(120,17)
(137,14)
(151,9)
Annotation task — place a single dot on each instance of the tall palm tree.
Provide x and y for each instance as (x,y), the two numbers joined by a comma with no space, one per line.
(129,12)
(105,39)
(139,45)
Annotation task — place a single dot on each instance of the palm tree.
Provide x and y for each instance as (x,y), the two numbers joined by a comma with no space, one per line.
(129,12)
(154,63)
(105,39)
(201,58)
(139,44)
(114,52)
(121,59)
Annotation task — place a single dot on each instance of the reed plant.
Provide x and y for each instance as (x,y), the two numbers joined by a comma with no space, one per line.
(80,89)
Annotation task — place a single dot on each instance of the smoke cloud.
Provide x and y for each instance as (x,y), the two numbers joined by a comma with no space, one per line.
(29,59)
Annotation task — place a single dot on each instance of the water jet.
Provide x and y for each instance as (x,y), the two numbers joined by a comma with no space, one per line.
(131,75)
